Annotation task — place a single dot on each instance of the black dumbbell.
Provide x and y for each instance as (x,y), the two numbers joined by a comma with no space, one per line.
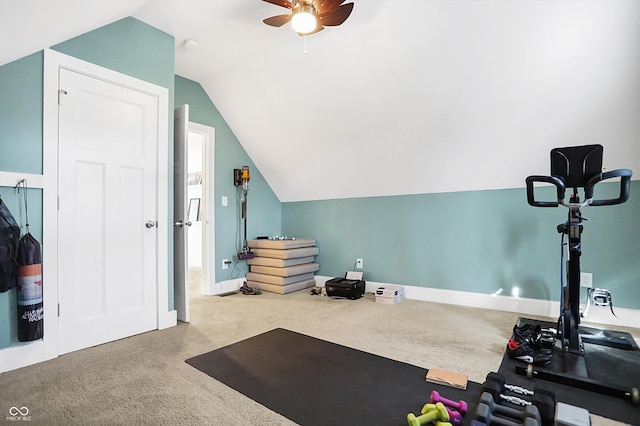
(544,399)
(514,413)
(499,379)
(485,415)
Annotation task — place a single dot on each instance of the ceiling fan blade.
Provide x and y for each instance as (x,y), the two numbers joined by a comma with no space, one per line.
(284,3)
(278,20)
(324,6)
(317,30)
(336,16)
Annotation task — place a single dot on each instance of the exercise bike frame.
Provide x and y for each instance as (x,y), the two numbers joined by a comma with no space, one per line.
(569,319)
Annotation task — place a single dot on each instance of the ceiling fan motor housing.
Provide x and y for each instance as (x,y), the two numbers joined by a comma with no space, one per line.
(315,14)
(304,17)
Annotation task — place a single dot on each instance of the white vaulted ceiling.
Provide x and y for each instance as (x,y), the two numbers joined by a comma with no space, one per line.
(407,96)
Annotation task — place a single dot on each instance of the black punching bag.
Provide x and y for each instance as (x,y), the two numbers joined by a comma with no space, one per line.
(30,309)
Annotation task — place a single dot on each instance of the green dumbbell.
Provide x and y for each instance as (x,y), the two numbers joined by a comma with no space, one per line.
(439,413)
(455,418)
(430,407)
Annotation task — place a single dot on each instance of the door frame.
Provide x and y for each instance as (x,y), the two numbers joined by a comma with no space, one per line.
(22,355)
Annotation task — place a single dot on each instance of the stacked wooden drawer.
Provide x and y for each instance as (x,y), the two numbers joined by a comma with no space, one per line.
(282,266)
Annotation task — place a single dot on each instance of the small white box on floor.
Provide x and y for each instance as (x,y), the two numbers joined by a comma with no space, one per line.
(389,294)
(569,415)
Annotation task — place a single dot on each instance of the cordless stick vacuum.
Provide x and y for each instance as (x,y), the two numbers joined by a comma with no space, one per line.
(241,178)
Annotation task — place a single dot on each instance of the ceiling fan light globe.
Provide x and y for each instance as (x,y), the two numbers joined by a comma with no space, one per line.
(303,22)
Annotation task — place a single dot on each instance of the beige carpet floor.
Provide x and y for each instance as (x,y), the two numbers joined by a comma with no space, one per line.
(144,379)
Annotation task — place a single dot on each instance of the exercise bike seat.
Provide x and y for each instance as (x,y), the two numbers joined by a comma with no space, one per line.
(578,167)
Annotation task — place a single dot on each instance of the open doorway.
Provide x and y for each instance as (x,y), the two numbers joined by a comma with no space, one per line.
(200,209)
(196,201)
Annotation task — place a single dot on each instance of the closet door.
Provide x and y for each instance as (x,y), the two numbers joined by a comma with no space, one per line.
(107,230)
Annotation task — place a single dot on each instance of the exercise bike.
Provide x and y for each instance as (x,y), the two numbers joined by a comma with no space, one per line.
(575,168)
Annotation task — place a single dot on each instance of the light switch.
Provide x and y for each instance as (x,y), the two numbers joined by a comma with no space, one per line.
(225,201)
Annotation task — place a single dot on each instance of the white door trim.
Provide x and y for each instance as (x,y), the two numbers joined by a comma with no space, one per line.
(20,355)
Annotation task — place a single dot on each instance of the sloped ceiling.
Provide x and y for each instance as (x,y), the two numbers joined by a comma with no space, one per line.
(406,97)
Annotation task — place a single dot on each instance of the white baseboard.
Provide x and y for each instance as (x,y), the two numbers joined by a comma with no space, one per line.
(167,319)
(23,354)
(543,308)
(26,354)
(223,287)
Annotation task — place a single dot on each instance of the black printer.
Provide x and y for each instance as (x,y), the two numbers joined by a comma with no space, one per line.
(345,287)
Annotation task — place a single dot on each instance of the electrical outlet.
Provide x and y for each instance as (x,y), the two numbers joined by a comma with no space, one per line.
(359,263)
(586,279)
(225,263)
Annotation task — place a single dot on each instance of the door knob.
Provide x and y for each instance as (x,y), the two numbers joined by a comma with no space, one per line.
(178,224)
(150,224)
(188,223)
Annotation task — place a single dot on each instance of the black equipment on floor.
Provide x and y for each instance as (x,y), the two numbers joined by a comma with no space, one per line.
(573,168)
(344,287)
(604,381)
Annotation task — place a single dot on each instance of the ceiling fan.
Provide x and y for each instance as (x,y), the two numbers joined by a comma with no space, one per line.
(310,16)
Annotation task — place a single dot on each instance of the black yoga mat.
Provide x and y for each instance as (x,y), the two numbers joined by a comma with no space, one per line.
(600,365)
(315,382)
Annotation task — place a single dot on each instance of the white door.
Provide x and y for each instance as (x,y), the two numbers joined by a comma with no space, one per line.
(180,215)
(107,241)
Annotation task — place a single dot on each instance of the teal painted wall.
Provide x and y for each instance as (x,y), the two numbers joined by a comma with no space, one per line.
(264,208)
(21,115)
(128,46)
(480,241)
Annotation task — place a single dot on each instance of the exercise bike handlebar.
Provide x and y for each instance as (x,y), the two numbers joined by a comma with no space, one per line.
(554,180)
(625,187)
(558,182)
